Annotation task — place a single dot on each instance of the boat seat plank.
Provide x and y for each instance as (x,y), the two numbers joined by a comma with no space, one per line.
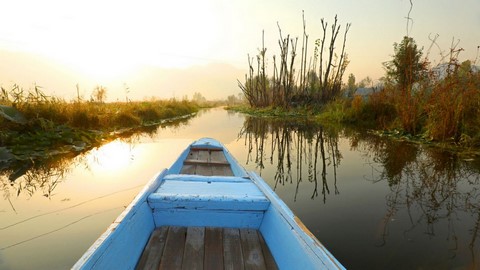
(194,249)
(174,194)
(205,248)
(213,249)
(210,189)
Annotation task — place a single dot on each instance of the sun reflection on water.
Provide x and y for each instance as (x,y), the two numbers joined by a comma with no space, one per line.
(111,157)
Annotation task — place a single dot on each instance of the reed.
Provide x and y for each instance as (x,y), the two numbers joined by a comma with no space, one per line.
(38,107)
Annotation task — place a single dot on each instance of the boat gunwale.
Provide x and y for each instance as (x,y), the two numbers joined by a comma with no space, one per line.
(309,240)
(141,197)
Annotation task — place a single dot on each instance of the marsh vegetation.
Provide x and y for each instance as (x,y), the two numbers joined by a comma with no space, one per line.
(432,103)
(36,126)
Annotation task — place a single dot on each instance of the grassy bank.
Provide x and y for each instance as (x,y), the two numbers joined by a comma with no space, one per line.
(380,113)
(35,126)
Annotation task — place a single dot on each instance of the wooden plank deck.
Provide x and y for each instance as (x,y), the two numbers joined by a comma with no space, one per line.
(206,248)
(207,162)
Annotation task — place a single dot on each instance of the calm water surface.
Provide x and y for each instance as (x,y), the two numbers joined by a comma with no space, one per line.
(373,202)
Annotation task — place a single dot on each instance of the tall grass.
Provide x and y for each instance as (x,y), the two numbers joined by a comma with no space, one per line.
(44,111)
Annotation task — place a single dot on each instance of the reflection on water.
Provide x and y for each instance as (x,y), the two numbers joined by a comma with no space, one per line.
(431,199)
(56,201)
(44,174)
(373,202)
(305,146)
(435,189)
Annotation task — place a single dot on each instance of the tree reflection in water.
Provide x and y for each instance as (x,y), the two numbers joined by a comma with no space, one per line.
(434,187)
(43,173)
(430,192)
(293,143)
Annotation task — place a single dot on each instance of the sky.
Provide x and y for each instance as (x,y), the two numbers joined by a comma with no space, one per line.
(154,48)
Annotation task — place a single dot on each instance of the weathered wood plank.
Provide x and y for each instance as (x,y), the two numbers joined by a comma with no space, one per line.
(267,255)
(175,245)
(218,156)
(204,155)
(206,248)
(153,251)
(193,155)
(251,249)
(227,171)
(205,162)
(204,170)
(188,169)
(218,170)
(232,250)
(213,248)
(194,249)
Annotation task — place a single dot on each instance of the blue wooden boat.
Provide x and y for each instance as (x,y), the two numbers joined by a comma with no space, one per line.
(207,212)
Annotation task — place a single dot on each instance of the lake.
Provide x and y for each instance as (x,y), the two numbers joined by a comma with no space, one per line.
(374,202)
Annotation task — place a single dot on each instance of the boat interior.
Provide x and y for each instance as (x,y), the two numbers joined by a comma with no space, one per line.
(220,234)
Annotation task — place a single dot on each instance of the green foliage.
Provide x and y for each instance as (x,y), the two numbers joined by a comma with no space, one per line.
(407,66)
(405,69)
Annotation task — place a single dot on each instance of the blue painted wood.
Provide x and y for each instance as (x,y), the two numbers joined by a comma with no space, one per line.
(124,246)
(214,190)
(208,195)
(205,203)
(208,218)
(131,228)
(291,244)
(201,178)
(188,200)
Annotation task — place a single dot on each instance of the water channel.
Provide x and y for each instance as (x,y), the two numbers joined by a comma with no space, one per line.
(375,203)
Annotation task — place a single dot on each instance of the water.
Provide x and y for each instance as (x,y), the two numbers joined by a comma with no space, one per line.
(373,202)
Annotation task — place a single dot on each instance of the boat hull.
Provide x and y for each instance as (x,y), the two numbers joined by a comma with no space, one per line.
(243,200)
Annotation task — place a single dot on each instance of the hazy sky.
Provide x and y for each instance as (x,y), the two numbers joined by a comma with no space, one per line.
(172,48)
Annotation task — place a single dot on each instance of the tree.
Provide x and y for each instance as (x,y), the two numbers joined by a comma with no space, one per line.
(403,71)
(99,94)
(199,98)
(406,67)
(366,82)
(351,85)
